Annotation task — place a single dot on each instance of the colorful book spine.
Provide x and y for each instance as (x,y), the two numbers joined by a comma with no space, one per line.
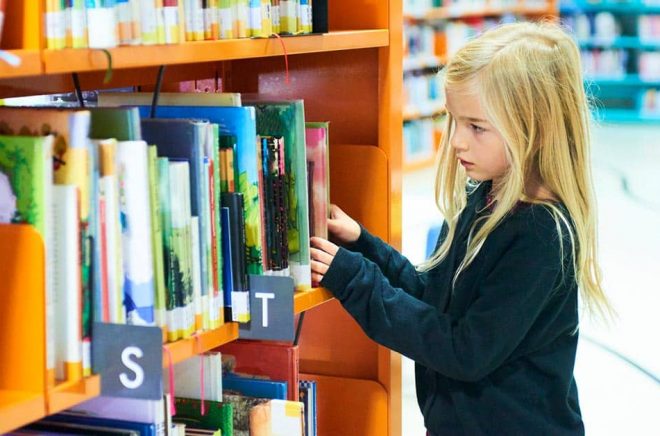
(148,22)
(211,19)
(304,16)
(181,246)
(55,24)
(288,17)
(275,15)
(139,290)
(173,329)
(241,18)
(218,306)
(160,21)
(226,19)
(125,22)
(102,28)
(156,239)
(196,274)
(76,20)
(171,20)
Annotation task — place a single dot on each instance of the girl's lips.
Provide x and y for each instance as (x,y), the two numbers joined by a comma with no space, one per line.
(466,163)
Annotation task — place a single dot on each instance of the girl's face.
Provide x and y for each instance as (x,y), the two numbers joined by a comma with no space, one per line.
(479,148)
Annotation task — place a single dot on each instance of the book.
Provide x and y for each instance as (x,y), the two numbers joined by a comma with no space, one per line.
(241,406)
(307,389)
(236,285)
(66,280)
(125,409)
(218,414)
(109,99)
(316,137)
(181,247)
(139,292)
(253,386)
(286,119)
(55,23)
(277,418)
(157,239)
(91,422)
(186,139)
(103,31)
(188,377)
(275,360)
(76,24)
(240,122)
(171,21)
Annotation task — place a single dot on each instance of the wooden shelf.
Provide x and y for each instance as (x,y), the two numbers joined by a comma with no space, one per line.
(305,300)
(69,394)
(30,64)
(81,60)
(18,408)
(200,343)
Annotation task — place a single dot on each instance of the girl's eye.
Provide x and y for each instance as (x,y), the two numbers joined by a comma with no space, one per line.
(477,129)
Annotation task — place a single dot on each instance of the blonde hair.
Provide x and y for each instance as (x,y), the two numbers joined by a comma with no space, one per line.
(528,78)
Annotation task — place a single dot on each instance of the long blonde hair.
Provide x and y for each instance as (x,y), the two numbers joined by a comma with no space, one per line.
(528,78)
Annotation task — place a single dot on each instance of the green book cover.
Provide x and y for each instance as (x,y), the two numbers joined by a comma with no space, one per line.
(121,123)
(218,415)
(286,119)
(25,174)
(168,255)
(216,212)
(156,237)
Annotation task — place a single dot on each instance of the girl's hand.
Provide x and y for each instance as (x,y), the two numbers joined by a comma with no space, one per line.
(322,253)
(342,227)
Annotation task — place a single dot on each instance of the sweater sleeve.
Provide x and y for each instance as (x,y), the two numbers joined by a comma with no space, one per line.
(400,272)
(510,298)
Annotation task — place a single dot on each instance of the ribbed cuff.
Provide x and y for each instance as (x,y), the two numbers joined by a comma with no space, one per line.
(342,269)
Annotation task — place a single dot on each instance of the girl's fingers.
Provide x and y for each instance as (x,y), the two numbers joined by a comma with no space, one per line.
(318,267)
(325,245)
(321,256)
(316,277)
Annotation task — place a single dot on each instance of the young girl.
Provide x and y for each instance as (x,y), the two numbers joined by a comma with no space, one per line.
(491,319)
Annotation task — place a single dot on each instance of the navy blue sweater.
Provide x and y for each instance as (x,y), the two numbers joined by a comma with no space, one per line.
(495,354)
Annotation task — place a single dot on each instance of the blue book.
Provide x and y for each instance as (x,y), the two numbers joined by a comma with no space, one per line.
(240,122)
(255,387)
(142,429)
(228,282)
(308,398)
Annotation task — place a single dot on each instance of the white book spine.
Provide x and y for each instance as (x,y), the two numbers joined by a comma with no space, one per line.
(196,270)
(109,189)
(139,286)
(67,296)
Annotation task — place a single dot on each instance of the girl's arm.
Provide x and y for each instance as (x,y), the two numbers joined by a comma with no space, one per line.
(510,299)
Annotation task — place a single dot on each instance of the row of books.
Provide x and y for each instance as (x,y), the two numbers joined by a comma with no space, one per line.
(110,23)
(242,388)
(160,221)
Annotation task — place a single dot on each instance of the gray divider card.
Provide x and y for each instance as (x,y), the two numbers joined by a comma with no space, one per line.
(129,359)
(271,309)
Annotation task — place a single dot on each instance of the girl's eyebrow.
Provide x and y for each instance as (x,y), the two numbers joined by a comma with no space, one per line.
(472,120)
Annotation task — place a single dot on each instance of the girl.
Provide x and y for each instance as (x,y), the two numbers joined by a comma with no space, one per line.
(491,319)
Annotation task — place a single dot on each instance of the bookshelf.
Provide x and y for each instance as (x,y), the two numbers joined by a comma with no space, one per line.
(434,30)
(352,77)
(620,47)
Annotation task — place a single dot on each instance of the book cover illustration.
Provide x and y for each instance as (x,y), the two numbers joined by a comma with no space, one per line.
(316,136)
(286,119)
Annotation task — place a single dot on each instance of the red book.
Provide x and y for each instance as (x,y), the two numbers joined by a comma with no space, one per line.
(275,360)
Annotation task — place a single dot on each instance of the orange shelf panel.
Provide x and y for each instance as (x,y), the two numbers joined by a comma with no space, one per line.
(30,64)
(18,408)
(305,300)
(80,60)
(200,343)
(69,394)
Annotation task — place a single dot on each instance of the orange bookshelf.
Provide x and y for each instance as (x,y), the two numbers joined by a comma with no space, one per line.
(200,343)
(305,300)
(351,77)
(81,60)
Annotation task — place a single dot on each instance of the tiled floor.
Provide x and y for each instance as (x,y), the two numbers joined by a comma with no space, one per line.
(618,365)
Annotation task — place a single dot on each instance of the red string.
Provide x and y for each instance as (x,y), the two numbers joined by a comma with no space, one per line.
(170,370)
(286,58)
(201,377)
